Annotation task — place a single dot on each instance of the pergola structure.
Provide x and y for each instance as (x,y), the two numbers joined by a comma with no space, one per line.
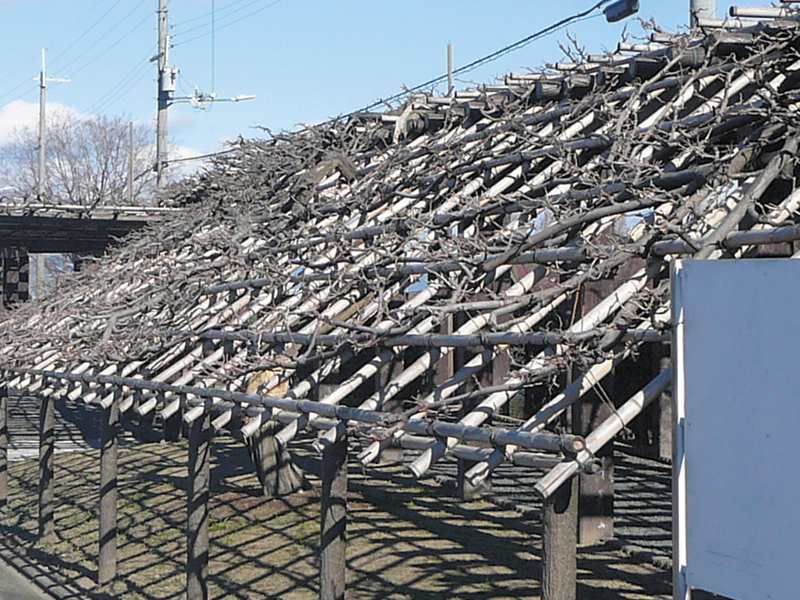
(410,276)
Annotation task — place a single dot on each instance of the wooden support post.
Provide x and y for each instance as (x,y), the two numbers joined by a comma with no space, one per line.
(664,441)
(47,447)
(109,450)
(145,431)
(595,490)
(559,541)
(333,567)
(465,489)
(596,495)
(173,425)
(197,521)
(3,450)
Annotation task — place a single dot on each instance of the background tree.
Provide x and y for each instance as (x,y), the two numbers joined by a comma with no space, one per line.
(87,162)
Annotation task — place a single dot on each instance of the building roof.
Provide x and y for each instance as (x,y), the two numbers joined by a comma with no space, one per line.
(425,243)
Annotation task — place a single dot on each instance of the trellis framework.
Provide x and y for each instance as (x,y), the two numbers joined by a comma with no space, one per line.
(408,275)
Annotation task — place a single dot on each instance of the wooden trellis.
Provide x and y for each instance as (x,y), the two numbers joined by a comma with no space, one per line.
(413,274)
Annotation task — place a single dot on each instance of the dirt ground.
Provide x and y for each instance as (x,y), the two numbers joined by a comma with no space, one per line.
(406,539)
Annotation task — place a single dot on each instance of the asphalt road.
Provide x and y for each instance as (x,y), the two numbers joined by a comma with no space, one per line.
(14,586)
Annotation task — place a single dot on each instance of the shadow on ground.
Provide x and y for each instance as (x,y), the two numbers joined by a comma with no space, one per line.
(406,539)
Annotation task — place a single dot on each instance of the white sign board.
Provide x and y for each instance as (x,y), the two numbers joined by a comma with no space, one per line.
(737,393)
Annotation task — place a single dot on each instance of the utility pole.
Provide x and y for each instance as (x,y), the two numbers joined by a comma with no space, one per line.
(43,79)
(42,127)
(131,152)
(450,86)
(166,85)
(701,9)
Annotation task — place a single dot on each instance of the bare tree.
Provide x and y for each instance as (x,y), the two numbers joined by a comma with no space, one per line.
(87,162)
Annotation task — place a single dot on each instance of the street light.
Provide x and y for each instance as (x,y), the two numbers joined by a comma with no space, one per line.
(620,10)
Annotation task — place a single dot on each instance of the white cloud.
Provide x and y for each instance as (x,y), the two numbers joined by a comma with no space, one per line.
(180,160)
(180,122)
(20,115)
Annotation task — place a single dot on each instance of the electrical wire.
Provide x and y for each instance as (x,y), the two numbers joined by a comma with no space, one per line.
(15,88)
(85,33)
(576,18)
(218,16)
(201,156)
(180,24)
(104,36)
(242,18)
(100,55)
(55,59)
(122,94)
(123,86)
(489,57)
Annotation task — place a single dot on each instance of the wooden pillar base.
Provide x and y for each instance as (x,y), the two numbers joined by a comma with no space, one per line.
(664,407)
(197,522)
(47,447)
(333,555)
(109,452)
(173,426)
(595,490)
(596,522)
(559,543)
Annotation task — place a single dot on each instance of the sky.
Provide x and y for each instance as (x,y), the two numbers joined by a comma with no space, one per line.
(304,60)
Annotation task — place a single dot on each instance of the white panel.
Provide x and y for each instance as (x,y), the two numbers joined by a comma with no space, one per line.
(741,378)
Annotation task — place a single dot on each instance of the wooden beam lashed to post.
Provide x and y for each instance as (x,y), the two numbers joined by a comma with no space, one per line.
(333,555)
(109,451)
(47,447)
(559,543)
(3,449)
(197,515)
(596,490)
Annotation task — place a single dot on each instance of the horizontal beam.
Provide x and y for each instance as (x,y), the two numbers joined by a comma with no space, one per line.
(569,444)
(543,256)
(390,339)
(735,239)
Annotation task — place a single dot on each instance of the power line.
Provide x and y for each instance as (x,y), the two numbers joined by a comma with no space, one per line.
(124,92)
(104,36)
(202,156)
(26,81)
(490,57)
(85,33)
(124,85)
(206,16)
(242,18)
(113,45)
(218,16)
